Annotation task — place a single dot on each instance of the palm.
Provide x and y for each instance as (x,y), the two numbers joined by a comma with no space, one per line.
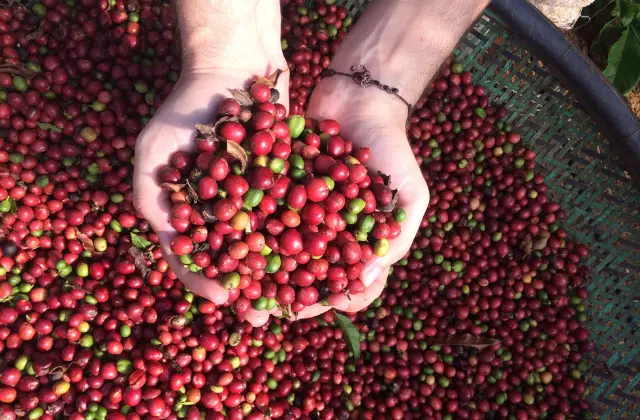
(194,100)
(170,130)
(390,155)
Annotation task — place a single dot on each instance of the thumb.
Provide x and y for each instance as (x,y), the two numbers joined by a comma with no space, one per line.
(211,289)
(354,303)
(258,318)
(151,201)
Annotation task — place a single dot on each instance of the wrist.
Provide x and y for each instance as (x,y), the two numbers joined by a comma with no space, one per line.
(216,35)
(339,96)
(403,43)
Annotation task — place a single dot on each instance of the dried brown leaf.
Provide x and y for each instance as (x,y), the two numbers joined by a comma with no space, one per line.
(208,216)
(87,243)
(19,412)
(385,178)
(74,287)
(541,241)
(53,408)
(467,340)
(386,208)
(148,254)
(242,96)
(273,77)
(35,34)
(17,71)
(265,81)
(138,261)
(235,339)
(167,186)
(57,372)
(179,197)
(527,245)
(271,80)
(209,132)
(238,152)
(178,321)
(204,246)
(245,114)
(222,120)
(193,195)
(195,175)
(206,129)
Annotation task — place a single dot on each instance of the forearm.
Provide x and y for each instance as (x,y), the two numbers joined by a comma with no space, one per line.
(404,42)
(213,30)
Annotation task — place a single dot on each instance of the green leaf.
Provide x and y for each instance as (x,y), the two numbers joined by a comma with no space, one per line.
(50,127)
(351,332)
(625,11)
(622,69)
(609,34)
(139,242)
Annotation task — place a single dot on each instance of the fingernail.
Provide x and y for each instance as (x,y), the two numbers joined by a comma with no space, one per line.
(370,274)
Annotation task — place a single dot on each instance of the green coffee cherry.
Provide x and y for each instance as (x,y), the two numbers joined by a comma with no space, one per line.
(296,126)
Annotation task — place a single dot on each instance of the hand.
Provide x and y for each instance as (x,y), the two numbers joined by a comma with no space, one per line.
(372,118)
(224,46)
(390,40)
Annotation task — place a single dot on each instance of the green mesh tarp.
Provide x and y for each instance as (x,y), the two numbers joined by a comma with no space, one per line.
(602,204)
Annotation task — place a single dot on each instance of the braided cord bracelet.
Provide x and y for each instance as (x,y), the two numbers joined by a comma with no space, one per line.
(362,77)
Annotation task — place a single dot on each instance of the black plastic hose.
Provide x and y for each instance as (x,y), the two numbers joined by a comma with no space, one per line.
(580,75)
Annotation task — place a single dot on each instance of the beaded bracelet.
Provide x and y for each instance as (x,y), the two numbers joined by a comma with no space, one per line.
(361,76)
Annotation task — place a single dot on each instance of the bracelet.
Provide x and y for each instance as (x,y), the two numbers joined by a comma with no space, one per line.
(361,76)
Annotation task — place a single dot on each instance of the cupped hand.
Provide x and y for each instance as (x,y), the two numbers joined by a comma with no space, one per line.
(240,49)
(372,118)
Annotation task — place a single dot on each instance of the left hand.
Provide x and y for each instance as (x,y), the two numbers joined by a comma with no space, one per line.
(372,118)
(231,47)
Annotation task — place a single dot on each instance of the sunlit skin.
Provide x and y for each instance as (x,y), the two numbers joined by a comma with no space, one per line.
(226,43)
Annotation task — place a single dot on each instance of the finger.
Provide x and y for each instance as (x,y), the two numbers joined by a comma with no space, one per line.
(414,199)
(255,318)
(268,17)
(259,318)
(372,271)
(148,197)
(200,285)
(151,201)
(398,247)
(357,302)
(283,87)
(311,311)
